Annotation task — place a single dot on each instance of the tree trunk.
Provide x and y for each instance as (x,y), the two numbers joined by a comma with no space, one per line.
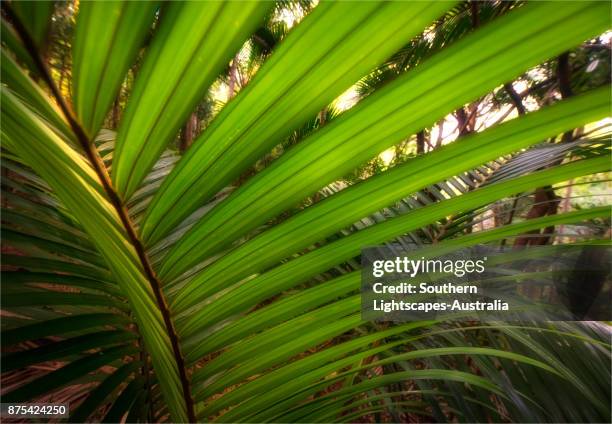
(564,73)
(231,86)
(189,132)
(116,111)
(515,98)
(420,139)
(546,202)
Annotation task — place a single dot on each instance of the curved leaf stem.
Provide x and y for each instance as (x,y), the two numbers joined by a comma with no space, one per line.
(102,173)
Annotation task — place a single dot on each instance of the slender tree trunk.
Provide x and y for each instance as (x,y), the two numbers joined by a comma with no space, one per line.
(322,117)
(233,76)
(564,74)
(566,203)
(189,132)
(474,14)
(116,111)
(546,202)
(440,133)
(420,139)
(466,125)
(515,98)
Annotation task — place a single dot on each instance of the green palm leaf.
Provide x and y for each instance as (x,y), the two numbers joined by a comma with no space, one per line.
(177,286)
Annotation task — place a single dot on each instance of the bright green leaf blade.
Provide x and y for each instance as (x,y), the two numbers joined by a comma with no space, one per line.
(114,30)
(347,206)
(298,270)
(77,185)
(280,344)
(194,42)
(24,86)
(473,66)
(328,51)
